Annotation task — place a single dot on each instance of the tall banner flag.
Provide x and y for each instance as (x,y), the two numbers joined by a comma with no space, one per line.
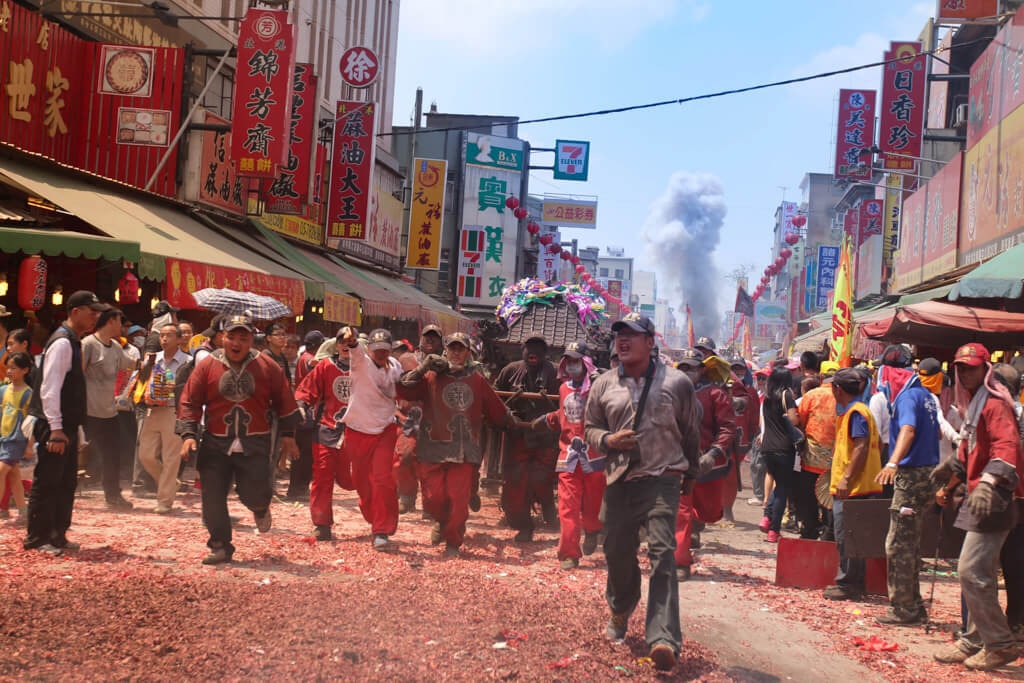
(902,107)
(840,341)
(691,338)
(744,304)
(855,133)
(426,217)
(748,349)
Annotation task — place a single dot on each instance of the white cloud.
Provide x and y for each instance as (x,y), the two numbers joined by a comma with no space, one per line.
(494,28)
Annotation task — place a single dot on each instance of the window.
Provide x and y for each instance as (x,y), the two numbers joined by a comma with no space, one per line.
(603,272)
(218,98)
(618,273)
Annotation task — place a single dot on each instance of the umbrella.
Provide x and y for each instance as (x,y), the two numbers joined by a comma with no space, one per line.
(233,302)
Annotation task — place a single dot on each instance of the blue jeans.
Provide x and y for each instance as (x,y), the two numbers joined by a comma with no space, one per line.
(780,466)
(851,569)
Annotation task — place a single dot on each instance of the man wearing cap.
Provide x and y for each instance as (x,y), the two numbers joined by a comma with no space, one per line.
(214,338)
(310,344)
(580,467)
(745,405)
(705,346)
(456,402)
(913,453)
(326,391)
(529,458)
(989,460)
(371,431)
(59,405)
(717,435)
(644,416)
(817,411)
(240,392)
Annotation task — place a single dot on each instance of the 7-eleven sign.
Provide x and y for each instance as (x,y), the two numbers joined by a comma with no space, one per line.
(471,263)
(572,159)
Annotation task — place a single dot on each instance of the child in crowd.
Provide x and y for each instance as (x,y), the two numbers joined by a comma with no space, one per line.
(14,398)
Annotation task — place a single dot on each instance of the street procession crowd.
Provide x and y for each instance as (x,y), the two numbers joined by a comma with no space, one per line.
(647,451)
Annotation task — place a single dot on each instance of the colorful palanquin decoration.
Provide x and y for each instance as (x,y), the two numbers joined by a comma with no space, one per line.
(516,298)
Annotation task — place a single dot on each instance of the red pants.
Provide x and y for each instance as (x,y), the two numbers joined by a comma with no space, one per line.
(579,500)
(529,475)
(330,466)
(372,457)
(447,487)
(731,484)
(405,471)
(704,505)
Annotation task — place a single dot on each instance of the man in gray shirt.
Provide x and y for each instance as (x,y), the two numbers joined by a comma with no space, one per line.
(651,437)
(102,359)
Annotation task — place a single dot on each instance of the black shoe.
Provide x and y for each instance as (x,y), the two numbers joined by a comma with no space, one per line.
(452,551)
(682,574)
(843,593)
(664,657)
(590,542)
(322,533)
(118,503)
(550,515)
(695,539)
(524,536)
(474,502)
(617,626)
(890,618)
(217,556)
(406,504)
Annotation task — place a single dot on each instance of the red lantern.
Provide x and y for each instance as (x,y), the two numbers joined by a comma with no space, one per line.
(792,238)
(532,228)
(554,248)
(586,277)
(566,255)
(768,271)
(799,221)
(520,213)
(580,269)
(512,202)
(128,289)
(575,260)
(546,238)
(785,253)
(32,284)
(779,262)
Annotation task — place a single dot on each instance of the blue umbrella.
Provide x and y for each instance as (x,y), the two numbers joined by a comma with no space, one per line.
(233,302)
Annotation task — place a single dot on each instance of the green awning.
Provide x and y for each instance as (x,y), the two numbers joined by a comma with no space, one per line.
(298,259)
(68,243)
(926,295)
(1001,277)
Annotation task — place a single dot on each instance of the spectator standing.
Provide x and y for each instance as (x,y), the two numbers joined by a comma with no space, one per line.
(102,360)
(14,397)
(4,313)
(185,333)
(777,447)
(59,404)
(817,413)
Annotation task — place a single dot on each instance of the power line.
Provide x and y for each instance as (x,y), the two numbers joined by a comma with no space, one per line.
(695,98)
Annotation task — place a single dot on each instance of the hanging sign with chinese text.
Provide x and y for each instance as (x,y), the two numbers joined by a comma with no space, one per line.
(289,192)
(966,10)
(359,67)
(219,185)
(186,277)
(891,220)
(261,116)
(341,308)
(869,220)
(426,217)
(902,107)
(569,213)
(548,262)
(855,133)
(348,203)
(828,264)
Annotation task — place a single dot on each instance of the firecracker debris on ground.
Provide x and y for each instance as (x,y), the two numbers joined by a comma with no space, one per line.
(135,603)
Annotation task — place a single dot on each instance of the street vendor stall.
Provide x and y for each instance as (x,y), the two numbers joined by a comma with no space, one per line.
(946,325)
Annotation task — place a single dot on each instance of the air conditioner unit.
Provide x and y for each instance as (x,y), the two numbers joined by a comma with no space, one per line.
(960,115)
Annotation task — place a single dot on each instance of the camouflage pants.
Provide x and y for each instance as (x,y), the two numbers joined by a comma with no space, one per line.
(912,492)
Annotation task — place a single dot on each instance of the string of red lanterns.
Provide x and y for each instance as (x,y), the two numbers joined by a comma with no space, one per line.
(791,238)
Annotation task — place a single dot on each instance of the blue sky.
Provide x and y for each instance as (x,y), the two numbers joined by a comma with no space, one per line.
(531,58)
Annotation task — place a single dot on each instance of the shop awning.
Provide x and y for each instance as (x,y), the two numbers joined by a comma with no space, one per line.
(68,243)
(926,295)
(1000,277)
(946,325)
(161,232)
(433,311)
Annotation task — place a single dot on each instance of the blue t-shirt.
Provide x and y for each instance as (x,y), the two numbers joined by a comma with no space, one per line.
(914,406)
(858,426)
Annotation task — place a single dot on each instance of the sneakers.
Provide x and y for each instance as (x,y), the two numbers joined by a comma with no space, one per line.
(765,524)
(524,536)
(69,546)
(435,534)
(953,655)
(118,503)
(569,563)
(452,550)
(772,537)
(217,556)
(683,573)
(616,629)
(381,542)
(163,509)
(694,539)
(406,504)
(755,501)
(590,542)
(789,523)
(842,593)
(664,657)
(550,515)
(474,502)
(263,522)
(51,549)
(891,618)
(322,532)
(987,659)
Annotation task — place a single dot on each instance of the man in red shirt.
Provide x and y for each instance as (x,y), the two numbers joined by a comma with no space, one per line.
(327,387)
(406,478)
(989,460)
(717,432)
(456,401)
(746,405)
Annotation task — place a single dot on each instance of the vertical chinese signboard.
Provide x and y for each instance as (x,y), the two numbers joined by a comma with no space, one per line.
(219,185)
(261,118)
(348,202)
(547,262)
(891,220)
(870,219)
(828,264)
(902,107)
(289,192)
(493,172)
(855,132)
(426,217)
(788,212)
(942,222)
(910,257)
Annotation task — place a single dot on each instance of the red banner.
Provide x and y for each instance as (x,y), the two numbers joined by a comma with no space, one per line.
(289,193)
(219,185)
(851,223)
(869,220)
(263,93)
(185,277)
(351,170)
(902,106)
(855,132)
(963,10)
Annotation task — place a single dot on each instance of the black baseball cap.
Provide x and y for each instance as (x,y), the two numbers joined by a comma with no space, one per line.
(432,329)
(84,297)
(690,357)
(216,325)
(238,322)
(929,366)
(705,343)
(576,350)
(380,340)
(636,322)
(458,338)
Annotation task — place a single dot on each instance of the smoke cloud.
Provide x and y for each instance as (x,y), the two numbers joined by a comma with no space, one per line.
(683,230)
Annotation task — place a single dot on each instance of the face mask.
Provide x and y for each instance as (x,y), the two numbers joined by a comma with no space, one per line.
(574,368)
(138,341)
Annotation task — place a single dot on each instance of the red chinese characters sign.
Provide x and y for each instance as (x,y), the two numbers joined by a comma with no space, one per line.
(359,67)
(963,10)
(855,133)
(263,88)
(186,277)
(219,185)
(290,190)
(902,106)
(869,219)
(348,204)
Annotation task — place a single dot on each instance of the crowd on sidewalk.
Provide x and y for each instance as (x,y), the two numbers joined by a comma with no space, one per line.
(646,450)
